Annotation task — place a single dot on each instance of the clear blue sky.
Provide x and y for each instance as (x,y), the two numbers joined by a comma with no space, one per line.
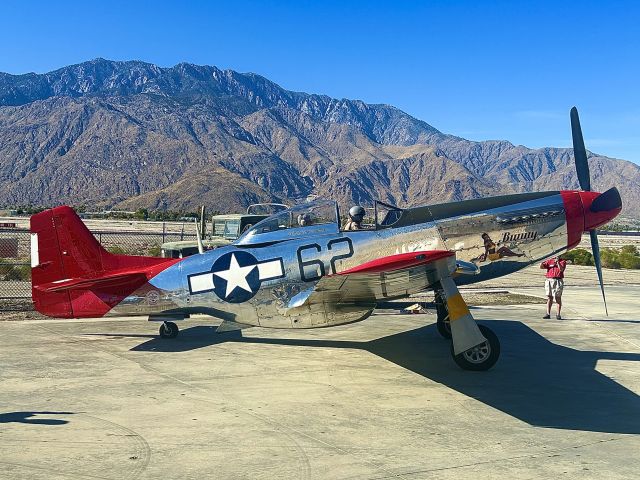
(482,70)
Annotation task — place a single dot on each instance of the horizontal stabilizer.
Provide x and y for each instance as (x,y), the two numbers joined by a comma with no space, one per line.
(72,275)
(105,281)
(231,326)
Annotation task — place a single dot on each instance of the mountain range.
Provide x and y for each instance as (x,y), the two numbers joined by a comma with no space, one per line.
(129,135)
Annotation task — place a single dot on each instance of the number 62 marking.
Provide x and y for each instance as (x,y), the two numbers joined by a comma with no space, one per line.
(333,245)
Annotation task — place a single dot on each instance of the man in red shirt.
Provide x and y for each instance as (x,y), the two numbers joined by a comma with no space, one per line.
(554,283)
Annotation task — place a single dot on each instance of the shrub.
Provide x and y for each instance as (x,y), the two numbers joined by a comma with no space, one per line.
(631,249)
(5,268)
(628,260)
(627,257)
(609,258)
(19,273)
(141,214)
(16,272)
(579,256)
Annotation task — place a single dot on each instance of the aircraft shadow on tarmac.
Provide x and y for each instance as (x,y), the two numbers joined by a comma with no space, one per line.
(33,418)
(535,380)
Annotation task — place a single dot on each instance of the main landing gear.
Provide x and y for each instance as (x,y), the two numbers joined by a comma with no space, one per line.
(169,330)
(473,347)
(481,357)
(443,324)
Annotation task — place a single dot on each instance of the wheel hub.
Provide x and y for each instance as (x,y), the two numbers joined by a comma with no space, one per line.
(479,353)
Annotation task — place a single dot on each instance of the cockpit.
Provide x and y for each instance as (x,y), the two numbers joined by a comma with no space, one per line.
(316,218)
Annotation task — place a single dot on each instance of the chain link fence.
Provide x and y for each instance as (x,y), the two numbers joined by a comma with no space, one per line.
(15,257)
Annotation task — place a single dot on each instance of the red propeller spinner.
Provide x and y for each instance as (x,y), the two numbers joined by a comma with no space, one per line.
(586,211)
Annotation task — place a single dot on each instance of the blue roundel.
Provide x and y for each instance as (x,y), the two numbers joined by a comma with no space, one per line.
(236,277)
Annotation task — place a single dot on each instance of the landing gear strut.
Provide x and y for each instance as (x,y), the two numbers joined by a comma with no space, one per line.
(473,346)
(168,330)
(443,324)
(481,357)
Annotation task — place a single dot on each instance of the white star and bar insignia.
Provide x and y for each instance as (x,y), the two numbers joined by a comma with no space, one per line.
(236,276)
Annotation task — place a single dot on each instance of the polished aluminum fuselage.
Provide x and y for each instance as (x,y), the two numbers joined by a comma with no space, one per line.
(511,233)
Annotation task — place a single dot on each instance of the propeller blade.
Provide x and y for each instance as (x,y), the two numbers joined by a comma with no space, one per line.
(580,152)
(596,259)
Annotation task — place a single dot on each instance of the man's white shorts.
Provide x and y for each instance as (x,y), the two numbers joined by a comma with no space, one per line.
(553,287)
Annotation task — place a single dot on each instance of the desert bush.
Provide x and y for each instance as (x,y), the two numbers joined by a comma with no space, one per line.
(19,272)
(609,258)
(631,249)
(626,257)
(628,260)
(12,271)
(579,256)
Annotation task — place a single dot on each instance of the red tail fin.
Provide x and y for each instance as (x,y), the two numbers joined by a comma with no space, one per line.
(73,275)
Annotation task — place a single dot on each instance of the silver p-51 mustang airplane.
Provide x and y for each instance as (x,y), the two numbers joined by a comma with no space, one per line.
(285,275)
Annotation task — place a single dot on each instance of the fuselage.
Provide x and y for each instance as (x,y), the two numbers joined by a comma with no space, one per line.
(254,280)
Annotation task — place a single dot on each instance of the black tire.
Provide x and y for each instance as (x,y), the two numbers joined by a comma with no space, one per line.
(169,330)
(482,357)
(443,325)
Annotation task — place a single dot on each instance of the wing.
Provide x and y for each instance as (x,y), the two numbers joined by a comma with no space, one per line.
(351,295)
(386,278)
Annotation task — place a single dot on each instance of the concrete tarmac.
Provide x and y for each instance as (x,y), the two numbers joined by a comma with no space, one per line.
(373,400)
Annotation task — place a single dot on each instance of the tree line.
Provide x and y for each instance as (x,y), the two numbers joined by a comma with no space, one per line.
(626,257)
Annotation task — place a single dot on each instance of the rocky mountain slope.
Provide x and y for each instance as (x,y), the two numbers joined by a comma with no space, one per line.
(132,135)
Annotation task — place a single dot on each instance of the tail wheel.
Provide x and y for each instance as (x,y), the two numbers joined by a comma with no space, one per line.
(169,330)
(481,357)
(443,324)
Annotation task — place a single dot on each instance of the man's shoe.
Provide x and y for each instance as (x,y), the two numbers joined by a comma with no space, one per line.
(547,316)
(558,317)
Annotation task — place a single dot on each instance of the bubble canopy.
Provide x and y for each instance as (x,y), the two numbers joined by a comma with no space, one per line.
(319,217)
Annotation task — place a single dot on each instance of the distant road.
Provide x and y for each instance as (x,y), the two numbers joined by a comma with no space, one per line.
(620,234)
(117,225)
(612,238)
